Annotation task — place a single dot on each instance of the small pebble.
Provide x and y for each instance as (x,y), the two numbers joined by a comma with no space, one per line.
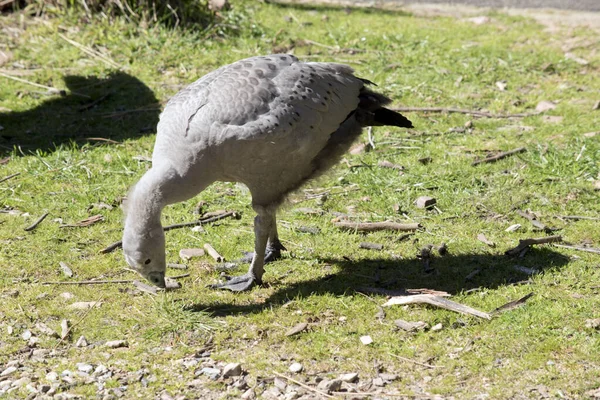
(329,386)
(26,335)
(351,377)
(8,371)
(366,339)
(232,369)
(249,395)
(212,373)
(81,342)
(296,367)
(187,254)
(83,367)
(378,382)
(113,344)
(425,202)
(437,327)
(51,376)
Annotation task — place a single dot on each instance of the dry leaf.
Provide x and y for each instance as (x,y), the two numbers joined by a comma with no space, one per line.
(481,237)
(296,329)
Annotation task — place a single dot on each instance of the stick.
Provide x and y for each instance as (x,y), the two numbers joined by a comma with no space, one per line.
(438,302)
(305,386)
(91,52)
(588,249)
(104,282)
(99,282)
(14,78)
(10,177)
(463,111)
(376,226)
(534,221)
(580,217)
(499,156)
(36,223)
(512,304)
(112,247)
(414,362)
(213,253)
(528,242)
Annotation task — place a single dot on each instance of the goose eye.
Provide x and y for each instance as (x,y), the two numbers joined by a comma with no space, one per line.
(147,262)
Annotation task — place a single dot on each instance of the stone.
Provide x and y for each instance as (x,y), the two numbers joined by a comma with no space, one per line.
(366,340)
(81,342)
(329,386)
(437,327)
(187,254)
(8,371)
(350,377)
(232,369)
(52,376)
(26,335)
(378,382)
(84,367)
(425,202)
(296,367)
(212,373)
(249,395)
(114,344)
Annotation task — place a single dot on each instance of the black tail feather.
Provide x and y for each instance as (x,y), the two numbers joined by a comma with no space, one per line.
(383,116)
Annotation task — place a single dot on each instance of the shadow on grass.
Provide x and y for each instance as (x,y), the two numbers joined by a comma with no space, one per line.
(450,274)
(98,110)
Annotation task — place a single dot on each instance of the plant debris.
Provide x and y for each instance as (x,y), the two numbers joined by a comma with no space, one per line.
(296,329)
(512,304)
(85,222)
(482,238)
(66,269)
(425,202)
(525,243)
(370,246)
(436,301)
(376,226)
(411,326)
(499,156)
(36,223)
(213,253)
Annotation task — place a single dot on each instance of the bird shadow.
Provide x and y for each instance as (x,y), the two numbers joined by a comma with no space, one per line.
(94,109)
(452,273)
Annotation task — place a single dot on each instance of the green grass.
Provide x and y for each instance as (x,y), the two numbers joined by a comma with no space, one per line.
(436,62)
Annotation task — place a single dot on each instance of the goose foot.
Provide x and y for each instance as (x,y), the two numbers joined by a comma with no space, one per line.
(238,283)
(273,253)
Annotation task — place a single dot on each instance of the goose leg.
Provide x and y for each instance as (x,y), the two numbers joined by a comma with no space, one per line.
(274,247)
(263,224)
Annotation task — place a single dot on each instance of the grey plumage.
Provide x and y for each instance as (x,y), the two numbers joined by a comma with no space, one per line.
(269,122)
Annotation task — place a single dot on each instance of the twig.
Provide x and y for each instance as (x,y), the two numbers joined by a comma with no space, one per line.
(437,302)
(37,222)
(499,156)
(463,111)
(14,78)
(414,362)
(10,176)
(580,248)
(104,282)
(99,282)
(91,52)
(116,245)
(580,217)
(305,386)
(512,304)
(524,243)
(213,253)
(534,221)
(376,226)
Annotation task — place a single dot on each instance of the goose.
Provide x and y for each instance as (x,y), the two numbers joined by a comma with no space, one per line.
(270,122)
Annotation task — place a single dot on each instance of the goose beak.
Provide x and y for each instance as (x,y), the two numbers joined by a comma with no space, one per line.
(157,279)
